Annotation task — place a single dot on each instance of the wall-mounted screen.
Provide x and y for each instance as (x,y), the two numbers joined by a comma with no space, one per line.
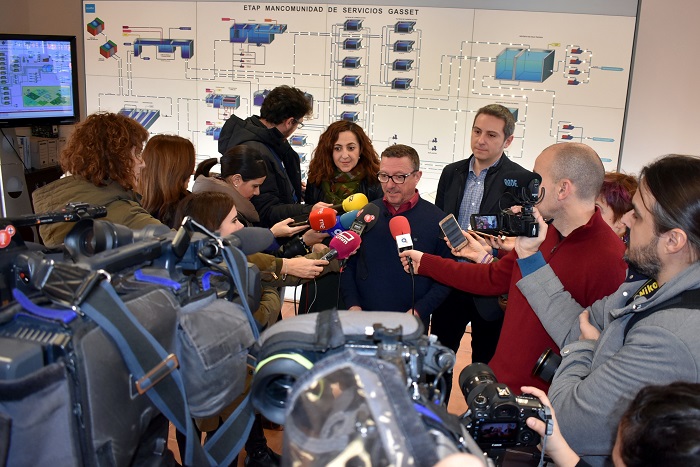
(38,80)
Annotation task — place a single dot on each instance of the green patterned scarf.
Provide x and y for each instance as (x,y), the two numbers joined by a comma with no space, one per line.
(341,186)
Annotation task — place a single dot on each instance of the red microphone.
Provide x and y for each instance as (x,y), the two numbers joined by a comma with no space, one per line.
(401,231)
(343,245)
(323,219)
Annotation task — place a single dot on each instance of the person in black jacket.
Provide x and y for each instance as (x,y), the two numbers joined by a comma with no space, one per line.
(477,186)
(281,114)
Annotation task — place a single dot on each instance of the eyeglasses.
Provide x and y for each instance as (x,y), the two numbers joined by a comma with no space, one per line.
(399,179)
(299,124)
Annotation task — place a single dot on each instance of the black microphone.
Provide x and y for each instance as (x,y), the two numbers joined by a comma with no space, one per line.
(366,219)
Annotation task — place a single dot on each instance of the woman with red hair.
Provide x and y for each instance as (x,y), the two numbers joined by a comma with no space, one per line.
(615,199)
(102,162)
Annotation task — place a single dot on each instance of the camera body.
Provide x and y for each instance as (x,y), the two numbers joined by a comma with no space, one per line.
(508,223)
(496,415)
(522,224)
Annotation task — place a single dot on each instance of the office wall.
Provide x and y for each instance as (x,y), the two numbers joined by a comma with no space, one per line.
(663,102)
(664,99)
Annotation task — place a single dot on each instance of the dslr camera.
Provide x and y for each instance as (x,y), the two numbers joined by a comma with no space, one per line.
(508,223)
(496,417)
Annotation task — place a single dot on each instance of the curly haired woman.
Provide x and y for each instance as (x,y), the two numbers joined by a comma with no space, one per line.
(344,163)
(101,160)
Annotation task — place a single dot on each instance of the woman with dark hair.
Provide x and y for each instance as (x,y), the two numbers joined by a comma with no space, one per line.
(169,163)
(101,160)
(217,212)
(243,170)
(344,163)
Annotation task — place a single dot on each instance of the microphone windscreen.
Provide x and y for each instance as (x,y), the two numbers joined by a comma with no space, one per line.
(399,226)
(355,201)
(347,219)
(322,219)
(336,229)
(369,215)
(251,239)
(345,243)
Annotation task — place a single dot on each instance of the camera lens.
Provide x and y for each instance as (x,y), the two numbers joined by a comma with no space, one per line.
(89,237)
(547,365)
(475,375)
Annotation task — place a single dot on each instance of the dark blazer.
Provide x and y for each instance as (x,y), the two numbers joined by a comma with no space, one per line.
(499,179)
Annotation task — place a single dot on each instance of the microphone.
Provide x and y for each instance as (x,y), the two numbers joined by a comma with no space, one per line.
(401,231)
(349,204)
(326,220)
(352,202)
(343,245)
(323,219)
(342,223)
(251,239)
(365,219)
(348,218)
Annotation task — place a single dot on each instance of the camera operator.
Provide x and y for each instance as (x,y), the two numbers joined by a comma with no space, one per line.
(644,332)
(572,175)
(642,436)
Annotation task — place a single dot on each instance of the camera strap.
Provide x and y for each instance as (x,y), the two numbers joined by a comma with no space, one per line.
(154,373)
(689,299)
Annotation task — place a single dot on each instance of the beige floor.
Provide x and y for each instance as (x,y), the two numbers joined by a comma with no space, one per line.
(457,404)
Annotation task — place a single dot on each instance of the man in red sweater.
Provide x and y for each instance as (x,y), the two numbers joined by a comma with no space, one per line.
(581,248)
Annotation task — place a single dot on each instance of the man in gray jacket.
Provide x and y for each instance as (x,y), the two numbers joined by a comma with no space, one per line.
(647,331)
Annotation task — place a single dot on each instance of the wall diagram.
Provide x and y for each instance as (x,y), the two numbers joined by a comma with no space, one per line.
(411,75)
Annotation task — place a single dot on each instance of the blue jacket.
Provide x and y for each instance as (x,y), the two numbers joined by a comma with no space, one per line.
(374,278)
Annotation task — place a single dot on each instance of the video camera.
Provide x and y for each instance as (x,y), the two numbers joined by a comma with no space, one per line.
(414,354)
(508,223)
(496,417)
(101,245)
(123,322)
(376,370)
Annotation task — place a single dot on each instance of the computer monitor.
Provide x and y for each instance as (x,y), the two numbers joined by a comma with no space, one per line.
(38,80)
